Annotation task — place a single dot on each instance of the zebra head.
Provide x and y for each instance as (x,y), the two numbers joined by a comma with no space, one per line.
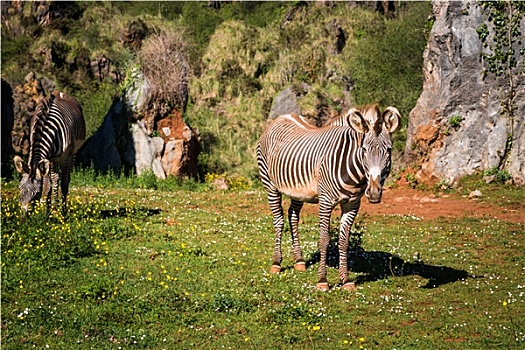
(32,182)
(376,146)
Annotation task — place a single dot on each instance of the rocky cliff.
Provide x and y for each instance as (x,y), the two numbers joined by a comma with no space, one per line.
(122,142)
(129,139)
(460,124)
(143,129)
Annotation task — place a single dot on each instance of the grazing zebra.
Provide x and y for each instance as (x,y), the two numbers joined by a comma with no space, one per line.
(57,131)
(335,164)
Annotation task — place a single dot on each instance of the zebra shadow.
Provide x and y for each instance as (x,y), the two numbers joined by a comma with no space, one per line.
(378,265)
(124,212)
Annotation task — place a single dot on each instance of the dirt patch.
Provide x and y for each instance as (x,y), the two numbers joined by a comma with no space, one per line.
(404,200)
(407,201)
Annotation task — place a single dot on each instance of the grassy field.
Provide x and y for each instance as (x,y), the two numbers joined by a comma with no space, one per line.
(188,267)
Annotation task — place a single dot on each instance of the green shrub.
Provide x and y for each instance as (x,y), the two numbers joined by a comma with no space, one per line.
(500,175)
(386,63)
(95,105)
(411,179)
(146,180)
(455,121)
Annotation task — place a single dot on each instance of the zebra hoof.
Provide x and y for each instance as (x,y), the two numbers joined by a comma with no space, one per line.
(350,286)
(275,269)
(322,286)
(300,266)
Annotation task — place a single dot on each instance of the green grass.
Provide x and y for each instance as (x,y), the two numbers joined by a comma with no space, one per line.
(495,193)
(179,268)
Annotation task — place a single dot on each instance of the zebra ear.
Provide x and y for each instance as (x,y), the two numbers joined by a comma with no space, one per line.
(43,168)
(391,118)
(20,166)
(357,122)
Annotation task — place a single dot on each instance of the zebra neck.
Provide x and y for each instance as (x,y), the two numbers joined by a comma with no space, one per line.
(42,134)
(352,170)
(37,155)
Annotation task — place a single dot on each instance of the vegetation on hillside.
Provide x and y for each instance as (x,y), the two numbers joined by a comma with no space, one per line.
(241,55)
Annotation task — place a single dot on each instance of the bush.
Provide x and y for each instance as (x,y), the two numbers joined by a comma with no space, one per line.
(387,62)
(165,66)
(501,176)
(95,105)
(455,121)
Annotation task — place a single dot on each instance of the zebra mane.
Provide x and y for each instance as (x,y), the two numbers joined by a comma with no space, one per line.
(41,113)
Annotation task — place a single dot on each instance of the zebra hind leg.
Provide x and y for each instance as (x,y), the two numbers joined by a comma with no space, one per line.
(325,211)
(293,217)
(275,200)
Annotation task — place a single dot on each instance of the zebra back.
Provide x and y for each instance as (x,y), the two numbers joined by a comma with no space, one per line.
(296,155)
(57,129)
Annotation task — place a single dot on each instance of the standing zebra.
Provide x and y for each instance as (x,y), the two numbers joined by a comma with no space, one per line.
(334,164)
(57,131)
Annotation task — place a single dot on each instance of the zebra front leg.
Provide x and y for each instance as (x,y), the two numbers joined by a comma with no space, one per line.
(348,214)
(275,200)
(64,182)
(325,212)
(47,190)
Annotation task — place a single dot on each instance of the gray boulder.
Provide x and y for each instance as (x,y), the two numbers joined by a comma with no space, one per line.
(111,147)
(455,89)
(285,103)
(126,138)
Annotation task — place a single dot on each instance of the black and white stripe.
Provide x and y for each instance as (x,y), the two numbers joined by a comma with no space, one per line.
(57,131)
(331,165)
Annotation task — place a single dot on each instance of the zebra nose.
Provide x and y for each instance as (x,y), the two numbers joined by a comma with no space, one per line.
(374,195)
(374,191)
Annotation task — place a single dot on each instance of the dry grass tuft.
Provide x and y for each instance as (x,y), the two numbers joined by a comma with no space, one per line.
(165,65)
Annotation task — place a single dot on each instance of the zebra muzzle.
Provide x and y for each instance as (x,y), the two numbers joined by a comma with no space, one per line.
(374,191)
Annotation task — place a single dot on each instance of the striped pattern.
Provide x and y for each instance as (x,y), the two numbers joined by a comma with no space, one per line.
(57,131)
(333,165)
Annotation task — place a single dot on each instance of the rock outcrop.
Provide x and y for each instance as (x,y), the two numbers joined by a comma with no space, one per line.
(284,103)
(127,139)
(456,127)
(181,146)
(25,100)
(111,148)
(8,119)
(134,34)
(315,105)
